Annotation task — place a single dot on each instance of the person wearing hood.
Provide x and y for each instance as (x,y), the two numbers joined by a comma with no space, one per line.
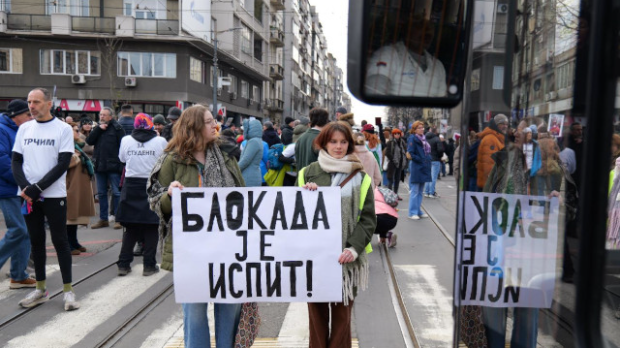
(301,128)
(139,152)
(252,153)
(287,130)
(437,150)
(492,139)
(348,118)
(371,167)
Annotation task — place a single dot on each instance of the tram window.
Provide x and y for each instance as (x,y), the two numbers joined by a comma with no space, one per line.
(408,51)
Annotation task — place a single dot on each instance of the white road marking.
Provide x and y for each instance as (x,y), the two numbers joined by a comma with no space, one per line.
(294,331)
(68,328)
(426,298)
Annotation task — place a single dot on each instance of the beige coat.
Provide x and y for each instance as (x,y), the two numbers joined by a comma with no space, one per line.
(80,200)
(371,167)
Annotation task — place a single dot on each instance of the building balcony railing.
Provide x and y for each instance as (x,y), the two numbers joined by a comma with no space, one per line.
(29,22)
(276,71)
(157,26)
(93,24)
(276,105)
(67,25)
(276,37)
(277,4)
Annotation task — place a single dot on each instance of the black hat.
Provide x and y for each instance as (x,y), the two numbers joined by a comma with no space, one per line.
(16,108)
(288,120)
(174,113)
(341,109)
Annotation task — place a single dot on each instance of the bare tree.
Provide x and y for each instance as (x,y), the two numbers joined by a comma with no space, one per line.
(109,47)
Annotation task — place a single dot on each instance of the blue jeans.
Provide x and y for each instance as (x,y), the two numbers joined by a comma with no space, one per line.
(429,187)
(114,179)
(196,324)
(524,331)
(386,180)
(16,242)
(415,198)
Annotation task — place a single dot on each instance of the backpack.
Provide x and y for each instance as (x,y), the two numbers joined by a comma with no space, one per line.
(273,157)
(389,196)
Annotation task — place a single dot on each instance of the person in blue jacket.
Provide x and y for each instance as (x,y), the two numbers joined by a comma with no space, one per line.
(16,242)
(419,154)
(252,153)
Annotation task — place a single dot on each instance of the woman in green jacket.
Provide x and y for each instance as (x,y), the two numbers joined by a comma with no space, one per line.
(193,159)
(336,164)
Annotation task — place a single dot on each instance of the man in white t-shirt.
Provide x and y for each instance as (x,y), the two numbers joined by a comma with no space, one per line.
(41,156)
(405,68)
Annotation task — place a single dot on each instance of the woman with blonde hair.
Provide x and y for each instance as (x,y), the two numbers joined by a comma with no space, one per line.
(194,159)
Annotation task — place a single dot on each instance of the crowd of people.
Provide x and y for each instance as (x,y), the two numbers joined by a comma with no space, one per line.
(56,171)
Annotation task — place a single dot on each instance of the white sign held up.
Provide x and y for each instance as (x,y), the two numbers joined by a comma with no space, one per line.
(508,247)
(260,244)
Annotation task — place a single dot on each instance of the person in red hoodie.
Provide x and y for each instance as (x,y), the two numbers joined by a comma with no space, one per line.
(387,217)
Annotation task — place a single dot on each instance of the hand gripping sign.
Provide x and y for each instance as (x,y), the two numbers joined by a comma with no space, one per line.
(508,250)
(259,244)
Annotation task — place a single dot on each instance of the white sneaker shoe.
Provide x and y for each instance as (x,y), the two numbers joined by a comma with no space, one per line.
(424,215)
(414,217)
(35,298)
(70,302)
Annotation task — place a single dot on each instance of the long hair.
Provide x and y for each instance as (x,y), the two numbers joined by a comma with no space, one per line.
(320,142)
(372,139)
(187,132)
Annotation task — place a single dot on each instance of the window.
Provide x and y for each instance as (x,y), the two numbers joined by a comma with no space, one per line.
(498,77)
(5,6)
(258,11)
(147,64)
(256,93)
(220,73)
(242,3)
(72,7)
(63,62)
(11,61)
(233,84)
(196,70)
(475,79)
(246,39)
(144,9)
(244,89)
(258,49)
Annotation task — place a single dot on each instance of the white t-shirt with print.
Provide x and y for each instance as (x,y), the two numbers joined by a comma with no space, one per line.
(140,157)
(40,143)
(406,77)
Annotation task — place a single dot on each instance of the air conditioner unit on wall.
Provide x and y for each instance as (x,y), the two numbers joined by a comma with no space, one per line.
(233,95)
(219,91)
(78,79)
(130,81)
(250,101)
(502,8)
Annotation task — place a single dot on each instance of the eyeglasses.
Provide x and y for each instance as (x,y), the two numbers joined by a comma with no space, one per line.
(210,122)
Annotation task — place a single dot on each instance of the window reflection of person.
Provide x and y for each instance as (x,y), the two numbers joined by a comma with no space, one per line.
(405,68)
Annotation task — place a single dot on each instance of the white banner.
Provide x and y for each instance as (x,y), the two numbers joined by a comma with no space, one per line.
(196,18)
(262,244)
(507,250)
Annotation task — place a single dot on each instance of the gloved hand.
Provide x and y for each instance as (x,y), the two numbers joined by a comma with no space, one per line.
(33,192)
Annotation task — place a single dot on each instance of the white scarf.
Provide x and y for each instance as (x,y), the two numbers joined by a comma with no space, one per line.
(346,164)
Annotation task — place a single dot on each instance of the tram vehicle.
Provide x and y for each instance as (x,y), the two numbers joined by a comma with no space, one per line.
(532,88)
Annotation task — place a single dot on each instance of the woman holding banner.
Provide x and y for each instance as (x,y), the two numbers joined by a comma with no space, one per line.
(194,159)
(338,166)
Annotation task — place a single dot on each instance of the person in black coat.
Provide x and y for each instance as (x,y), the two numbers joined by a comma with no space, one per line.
(270,135)
(287,130)
(450,148)
(106,138)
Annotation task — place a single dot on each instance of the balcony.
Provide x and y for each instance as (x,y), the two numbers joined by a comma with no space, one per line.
(276,71)
(93,25)
(276,105)
(157,26)
(277,5)
(29,22)
(276,37)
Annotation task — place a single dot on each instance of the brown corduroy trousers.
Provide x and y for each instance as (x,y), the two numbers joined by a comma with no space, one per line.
(319,325)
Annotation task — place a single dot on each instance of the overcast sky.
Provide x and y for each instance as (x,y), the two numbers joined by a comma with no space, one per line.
(334,15)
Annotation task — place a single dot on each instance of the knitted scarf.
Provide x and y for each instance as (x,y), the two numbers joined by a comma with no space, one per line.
(354,274)
(425,144)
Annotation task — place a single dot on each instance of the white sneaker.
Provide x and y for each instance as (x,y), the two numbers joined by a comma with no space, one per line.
(414,217)
(424,215)
(35,298)
(70,302)
(427,196)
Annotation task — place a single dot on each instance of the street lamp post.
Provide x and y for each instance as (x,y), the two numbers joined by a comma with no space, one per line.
(215,72)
